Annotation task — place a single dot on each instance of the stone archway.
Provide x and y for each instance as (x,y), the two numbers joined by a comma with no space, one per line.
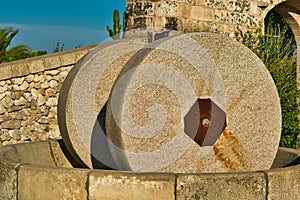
(290,10)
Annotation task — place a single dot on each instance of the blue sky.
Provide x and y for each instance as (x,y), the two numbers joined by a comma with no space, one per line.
(42,23)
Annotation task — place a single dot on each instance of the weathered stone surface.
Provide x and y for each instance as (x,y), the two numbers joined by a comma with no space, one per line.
(285,157)
(135,186)
(59,157)
(8,173)
(41,100)
(45,85)
(43,120)
(54,72)
(38,153)
(52,102)
(28,96)
(21,102)
(20,69)
(67,59)
(17,81)
(27,135)
(197,68)
(284,183)
(77,98)
(17,95)
(53,84)
(229,186)
(6,72)
(34,94)
(2,109)
(54,134)
(4,135)
(3,88)
(38,78)
(18,115)
(51,62)
(29,78)
(11,124)
(15,134)
(22,91)
(39,127)
(24,86)
(152,95)
(36,66)
(7,102)
(2,96)
(51,183)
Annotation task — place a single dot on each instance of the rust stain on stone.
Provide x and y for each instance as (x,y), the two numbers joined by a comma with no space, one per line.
(200,165)
(230,152)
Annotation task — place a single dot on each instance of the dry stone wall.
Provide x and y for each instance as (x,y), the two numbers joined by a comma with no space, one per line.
(29,92)
(222,16)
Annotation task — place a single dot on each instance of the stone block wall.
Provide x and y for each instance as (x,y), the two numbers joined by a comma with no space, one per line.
(220,16)
(29,91)
(40,170)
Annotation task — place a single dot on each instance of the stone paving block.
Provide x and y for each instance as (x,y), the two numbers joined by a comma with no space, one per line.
(8,173)
(226,186)
(284,183)
(134,186)
(50,183)
(37,153)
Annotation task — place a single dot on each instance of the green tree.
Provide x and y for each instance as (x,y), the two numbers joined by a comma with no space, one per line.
(58,47)
(17,52)
(277,49)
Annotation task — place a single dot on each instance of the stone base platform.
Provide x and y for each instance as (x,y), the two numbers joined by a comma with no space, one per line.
(42,170)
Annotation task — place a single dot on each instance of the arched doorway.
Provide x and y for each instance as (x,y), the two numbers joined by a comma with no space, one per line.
(290,12)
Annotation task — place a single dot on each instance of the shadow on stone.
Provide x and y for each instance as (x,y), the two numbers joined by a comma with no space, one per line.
(69,157)
(102,155)
(293,163)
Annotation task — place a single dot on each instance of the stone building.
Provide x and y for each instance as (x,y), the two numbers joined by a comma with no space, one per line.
(222,16)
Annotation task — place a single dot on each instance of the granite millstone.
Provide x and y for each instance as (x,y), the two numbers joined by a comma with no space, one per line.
(139,107)
(83,98)
(153,94)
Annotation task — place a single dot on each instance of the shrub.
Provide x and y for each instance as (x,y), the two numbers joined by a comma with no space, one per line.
(277,50)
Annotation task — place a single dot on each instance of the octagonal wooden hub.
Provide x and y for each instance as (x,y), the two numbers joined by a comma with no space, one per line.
(205,122)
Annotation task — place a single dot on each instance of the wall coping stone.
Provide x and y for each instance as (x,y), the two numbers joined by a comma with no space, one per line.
(41,63)
(15,169)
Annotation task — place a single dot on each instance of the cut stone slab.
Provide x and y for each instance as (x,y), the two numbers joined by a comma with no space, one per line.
(8,173)
(51,183)
(38,153)
(153,94)
(134,186)
(83,98)
(284,183)
(221,186)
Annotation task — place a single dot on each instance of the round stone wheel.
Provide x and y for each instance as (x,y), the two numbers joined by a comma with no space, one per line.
(197,102)
(83,99)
